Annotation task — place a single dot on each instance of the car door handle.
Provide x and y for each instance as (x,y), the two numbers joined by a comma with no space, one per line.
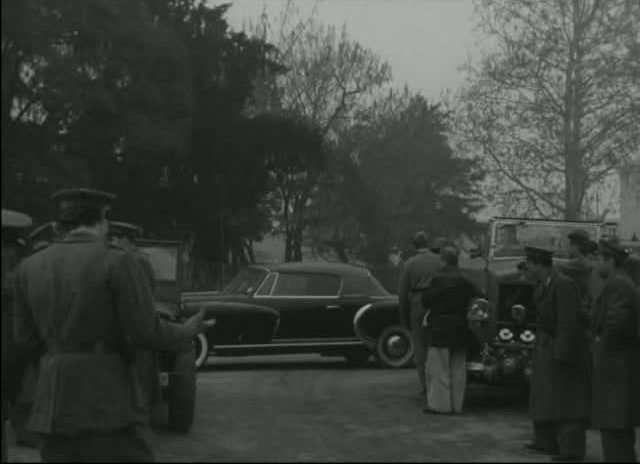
(333,306)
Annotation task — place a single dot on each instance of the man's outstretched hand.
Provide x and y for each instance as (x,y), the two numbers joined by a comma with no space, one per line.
(198,323)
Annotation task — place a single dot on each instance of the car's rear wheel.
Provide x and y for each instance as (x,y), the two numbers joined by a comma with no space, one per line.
(181,398)
(394,347)
(202,350)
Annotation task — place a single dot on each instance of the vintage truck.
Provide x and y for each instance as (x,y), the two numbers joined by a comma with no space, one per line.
(509,332)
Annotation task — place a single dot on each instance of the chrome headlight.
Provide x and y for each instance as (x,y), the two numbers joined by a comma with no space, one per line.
(518,312)
(527,336)
(505,335)
(479,310)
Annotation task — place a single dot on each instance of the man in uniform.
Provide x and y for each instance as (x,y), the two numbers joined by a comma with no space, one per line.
(558,404)
(13,224)
(579,268)
(616,355)
(414,279)
(82,304)
(20,409)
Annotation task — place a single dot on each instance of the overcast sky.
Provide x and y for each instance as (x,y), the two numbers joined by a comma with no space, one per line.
(424,41)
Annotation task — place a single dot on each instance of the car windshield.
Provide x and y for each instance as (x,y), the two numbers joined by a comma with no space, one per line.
(245,281)
(510,238)
(163,261)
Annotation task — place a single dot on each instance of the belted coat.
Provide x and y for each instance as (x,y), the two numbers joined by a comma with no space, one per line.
(616,355)
(559,382)
(86,305)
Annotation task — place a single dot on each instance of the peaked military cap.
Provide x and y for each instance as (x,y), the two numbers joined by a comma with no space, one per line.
(420,238)
(15,220)
(538,253)
(438,244)
(13,225)
(124,229)
(73,201)
(579,236)
(612,247)
(591,247)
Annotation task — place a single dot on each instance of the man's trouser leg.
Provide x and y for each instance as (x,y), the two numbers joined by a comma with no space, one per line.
(618,445)
(126,445)
(545,436)
(571,438)
(458,364)
(438,376)
(419,349)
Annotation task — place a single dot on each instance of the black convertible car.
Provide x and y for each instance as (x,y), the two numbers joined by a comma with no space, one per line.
(327,308)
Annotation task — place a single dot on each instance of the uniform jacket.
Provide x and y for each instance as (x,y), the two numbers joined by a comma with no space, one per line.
(559,384)
(616,355)
(580,271)
(415,277)
(448,297)
(85,303)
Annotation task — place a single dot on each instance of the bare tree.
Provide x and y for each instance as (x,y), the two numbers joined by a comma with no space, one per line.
(330,80)
(554,107)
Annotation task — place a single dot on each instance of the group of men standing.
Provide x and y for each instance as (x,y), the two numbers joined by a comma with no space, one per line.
(83,310)
(586,360)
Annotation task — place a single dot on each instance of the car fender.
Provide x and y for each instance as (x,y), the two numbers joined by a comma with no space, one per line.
(371,319)
(229,313)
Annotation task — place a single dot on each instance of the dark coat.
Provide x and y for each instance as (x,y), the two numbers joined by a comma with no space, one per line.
(559,383)
(616,355)
(415,277)
(87,304)
(448,298)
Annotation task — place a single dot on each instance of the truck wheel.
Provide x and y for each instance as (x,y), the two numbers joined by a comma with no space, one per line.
(394,347)
(202,350)
(181,398)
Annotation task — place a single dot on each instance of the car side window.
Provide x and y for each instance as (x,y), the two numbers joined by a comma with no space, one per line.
(267,285)
(306,285)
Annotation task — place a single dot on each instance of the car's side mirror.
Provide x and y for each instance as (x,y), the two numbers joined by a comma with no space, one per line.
(249,291)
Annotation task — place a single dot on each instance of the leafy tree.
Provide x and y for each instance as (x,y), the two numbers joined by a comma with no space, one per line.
(416,180)
(553,106)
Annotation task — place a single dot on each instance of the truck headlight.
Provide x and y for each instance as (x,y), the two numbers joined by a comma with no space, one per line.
(479,310)
(505,335)
(518,312)
(527,336)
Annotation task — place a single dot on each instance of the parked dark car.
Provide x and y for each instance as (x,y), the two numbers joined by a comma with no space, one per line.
(311,307)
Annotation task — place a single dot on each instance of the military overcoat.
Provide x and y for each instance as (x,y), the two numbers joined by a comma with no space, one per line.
(616,355)
(559,383)
(84,302)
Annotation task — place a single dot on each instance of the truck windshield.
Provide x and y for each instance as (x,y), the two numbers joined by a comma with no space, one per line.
(245,281)
(510,238)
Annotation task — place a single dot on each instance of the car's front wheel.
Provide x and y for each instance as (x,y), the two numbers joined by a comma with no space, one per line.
(394,347)
(202,350)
